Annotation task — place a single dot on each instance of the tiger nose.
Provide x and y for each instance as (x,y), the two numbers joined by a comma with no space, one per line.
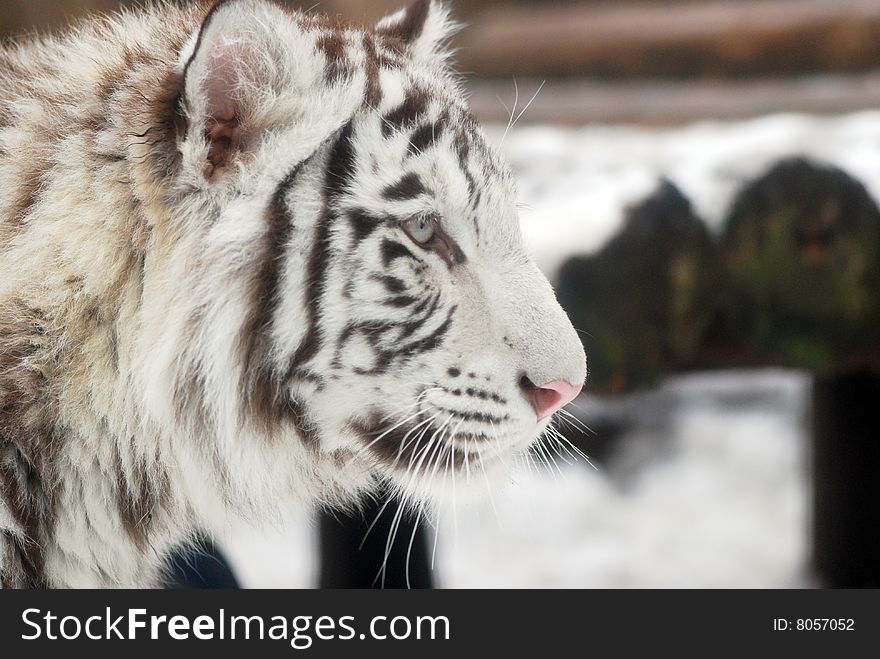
(550,396)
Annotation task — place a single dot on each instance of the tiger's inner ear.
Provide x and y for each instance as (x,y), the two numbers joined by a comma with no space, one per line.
(424,27)
(224,79)
(222,128)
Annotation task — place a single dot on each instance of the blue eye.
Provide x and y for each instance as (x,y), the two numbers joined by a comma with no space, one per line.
(421,228)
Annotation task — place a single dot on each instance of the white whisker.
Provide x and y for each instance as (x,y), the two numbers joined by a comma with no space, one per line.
(532,100)
(510,121)
(412,538)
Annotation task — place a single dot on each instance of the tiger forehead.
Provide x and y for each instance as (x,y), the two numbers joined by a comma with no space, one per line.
(425,104)
(427,120)
(347,50)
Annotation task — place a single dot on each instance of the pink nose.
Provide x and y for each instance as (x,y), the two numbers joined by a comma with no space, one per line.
(551,396)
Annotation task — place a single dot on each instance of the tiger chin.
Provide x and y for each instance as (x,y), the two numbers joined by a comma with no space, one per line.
(249,258)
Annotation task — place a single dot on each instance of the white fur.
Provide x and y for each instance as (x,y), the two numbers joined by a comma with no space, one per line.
(169,406)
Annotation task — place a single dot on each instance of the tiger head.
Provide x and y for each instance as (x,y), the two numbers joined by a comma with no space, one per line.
(361,290)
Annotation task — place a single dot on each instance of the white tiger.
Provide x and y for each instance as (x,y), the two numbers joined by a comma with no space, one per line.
(247,257)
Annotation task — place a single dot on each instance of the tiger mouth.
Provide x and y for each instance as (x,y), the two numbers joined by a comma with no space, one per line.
(419,446)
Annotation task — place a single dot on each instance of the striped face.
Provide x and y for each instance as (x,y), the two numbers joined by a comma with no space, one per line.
(392,320)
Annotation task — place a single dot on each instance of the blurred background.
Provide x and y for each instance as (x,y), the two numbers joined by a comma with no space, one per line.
(700,182)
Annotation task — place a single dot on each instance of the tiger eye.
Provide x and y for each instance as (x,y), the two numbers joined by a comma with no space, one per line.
(421,228)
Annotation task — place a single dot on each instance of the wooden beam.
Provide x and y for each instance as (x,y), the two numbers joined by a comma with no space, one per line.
(670,102)
(630,40)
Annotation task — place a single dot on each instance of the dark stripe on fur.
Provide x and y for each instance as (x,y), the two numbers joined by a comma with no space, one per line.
(430,342)
(141,494)
(386,356)
(424,137)
(362,223)
(400,301)
(482,417)
(298,413)
(408,28)
(463,150)
(20,570)
(340,169)
(371,330)
(372,88)
(392,250)
(27,197)
(337,65)
(408,187)
(407,113)
(28,438)
(29,503)
(264,393)
(412,326)
(391,284)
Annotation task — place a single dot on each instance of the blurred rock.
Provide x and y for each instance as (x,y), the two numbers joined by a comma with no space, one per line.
(800,256)
(643,303)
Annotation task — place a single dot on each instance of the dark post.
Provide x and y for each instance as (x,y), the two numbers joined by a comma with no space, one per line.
(203,568)
(846,477)
(352,558)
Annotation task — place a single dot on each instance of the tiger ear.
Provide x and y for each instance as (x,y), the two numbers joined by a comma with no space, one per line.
(227,76)
(425,26)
